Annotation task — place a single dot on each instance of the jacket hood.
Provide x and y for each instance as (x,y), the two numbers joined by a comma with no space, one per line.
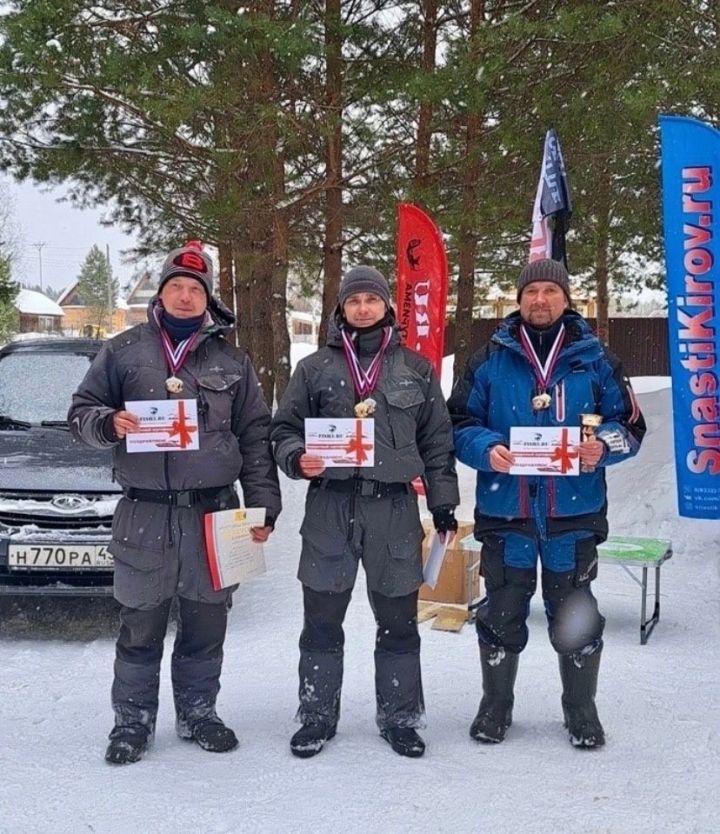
(223,318)
(334,334)
(577,329)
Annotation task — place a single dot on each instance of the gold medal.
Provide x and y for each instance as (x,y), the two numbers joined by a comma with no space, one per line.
(174,385)
(541,401)
(365,408)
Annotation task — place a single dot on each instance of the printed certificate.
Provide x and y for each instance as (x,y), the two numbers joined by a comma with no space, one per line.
(232,554)
(347,441)
(165,426)
(551,450)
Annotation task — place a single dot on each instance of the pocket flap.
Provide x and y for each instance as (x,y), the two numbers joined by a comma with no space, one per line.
(405,397)
(218,382)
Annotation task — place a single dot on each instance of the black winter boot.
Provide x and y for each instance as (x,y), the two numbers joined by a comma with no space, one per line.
(405,741)
(127,744)
(202,725)
(579,674)
(310,739)
(499,670)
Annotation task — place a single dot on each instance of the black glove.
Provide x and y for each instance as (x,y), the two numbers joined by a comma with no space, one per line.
(444,519)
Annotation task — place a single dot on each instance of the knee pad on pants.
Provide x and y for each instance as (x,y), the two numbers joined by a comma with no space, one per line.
(502,614)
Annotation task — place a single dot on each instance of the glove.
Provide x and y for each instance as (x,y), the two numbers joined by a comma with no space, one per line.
(444,519)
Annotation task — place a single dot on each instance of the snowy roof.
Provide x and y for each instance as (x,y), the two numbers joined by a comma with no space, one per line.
(35,303)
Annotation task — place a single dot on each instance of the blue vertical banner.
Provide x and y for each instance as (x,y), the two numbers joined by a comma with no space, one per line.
(690,158)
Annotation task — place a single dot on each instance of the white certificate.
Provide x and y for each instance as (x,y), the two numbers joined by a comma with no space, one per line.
(347,441)
(551,450)
(165,426)
(232,554)
(435,559)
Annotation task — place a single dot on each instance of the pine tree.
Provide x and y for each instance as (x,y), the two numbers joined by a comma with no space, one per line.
(97,287)
(9,316)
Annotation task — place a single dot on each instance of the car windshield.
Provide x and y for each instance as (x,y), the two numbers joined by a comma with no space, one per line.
(38,386)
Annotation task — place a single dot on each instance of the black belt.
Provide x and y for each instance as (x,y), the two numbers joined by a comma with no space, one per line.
(363,486)
(176,497)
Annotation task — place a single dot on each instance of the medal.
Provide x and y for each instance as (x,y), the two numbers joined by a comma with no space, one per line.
(364,382)
(542,372)
(174,385)
(175,355)
(365,408)
(541,401)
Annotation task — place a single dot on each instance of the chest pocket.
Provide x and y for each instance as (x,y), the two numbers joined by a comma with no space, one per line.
(403,408)
(216,394)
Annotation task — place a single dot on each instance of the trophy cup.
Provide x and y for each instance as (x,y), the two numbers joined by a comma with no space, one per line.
(588,424)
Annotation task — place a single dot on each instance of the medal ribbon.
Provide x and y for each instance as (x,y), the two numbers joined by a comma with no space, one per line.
(542,372)
(364,382)
(175,355)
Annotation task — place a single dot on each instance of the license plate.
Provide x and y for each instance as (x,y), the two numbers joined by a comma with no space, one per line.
(44,557)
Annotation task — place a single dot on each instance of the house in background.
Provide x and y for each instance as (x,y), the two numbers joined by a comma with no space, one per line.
(138,298)
(78,319)
(38,313)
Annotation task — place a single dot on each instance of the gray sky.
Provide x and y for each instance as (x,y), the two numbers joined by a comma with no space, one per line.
(67,233)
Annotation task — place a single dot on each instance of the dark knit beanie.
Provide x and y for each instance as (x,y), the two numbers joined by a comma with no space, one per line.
(544,270)
(364,279)
(190,261)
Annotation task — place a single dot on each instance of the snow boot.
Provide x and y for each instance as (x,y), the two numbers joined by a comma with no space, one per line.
(210,733)
(579,674)
(405,741)
(127,744)
(499,670)
(310,739)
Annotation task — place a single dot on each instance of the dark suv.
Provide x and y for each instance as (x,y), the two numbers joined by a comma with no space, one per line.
(57,496)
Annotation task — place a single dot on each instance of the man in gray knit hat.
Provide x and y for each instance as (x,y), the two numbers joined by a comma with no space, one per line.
(366,513)
(542,368)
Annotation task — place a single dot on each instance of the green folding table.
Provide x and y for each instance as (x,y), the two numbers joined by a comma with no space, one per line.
(629,552)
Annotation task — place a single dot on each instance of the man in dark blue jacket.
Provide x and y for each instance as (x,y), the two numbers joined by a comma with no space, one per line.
(542,367)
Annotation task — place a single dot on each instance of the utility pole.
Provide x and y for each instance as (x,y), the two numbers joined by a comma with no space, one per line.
(39,247)
(109,287)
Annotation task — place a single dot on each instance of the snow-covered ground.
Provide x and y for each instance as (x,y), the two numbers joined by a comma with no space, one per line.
(660,705)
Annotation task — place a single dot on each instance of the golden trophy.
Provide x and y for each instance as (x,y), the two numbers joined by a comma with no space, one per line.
(588,424)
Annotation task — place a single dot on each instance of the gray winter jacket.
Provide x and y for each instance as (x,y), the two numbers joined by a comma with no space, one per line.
(233,417)
(413,433)
(159,549)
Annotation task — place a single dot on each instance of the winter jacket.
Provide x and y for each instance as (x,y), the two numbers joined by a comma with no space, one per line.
(413,433)
(495,393)
(233,417)
(159,549)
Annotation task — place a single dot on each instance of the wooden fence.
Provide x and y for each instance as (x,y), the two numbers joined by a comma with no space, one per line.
(641,343)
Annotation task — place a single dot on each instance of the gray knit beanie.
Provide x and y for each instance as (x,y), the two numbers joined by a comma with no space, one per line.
(364,279)
(544,270)
(189,261)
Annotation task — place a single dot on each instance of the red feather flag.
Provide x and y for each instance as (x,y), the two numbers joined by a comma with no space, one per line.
(422,283)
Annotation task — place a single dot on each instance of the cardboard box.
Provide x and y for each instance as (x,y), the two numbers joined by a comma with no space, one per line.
(459,580)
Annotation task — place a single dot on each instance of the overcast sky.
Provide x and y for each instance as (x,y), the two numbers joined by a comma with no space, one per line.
(66,233)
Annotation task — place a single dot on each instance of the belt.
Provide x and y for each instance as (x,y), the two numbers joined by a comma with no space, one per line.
(363,486)
(176,497)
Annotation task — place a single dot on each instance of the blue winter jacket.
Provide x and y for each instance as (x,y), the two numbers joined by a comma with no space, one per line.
(495,393)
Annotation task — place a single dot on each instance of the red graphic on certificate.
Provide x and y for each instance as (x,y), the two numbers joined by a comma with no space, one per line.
(165,426)
(346,441)
(546,450)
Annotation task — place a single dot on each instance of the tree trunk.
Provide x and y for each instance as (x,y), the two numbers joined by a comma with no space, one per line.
(281,335)
(333,210)
(602,244)
(467,234)
(425,110)
(225,287)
